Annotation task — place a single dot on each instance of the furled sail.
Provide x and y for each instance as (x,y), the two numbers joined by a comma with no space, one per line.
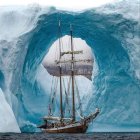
(55,118)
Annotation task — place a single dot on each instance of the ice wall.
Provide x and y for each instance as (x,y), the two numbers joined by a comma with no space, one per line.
(8,121)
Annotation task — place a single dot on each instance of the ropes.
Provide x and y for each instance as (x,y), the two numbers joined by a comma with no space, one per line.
(53,94)
(79,100)
(66,98)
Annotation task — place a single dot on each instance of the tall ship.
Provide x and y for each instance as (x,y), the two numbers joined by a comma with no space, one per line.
(75,122)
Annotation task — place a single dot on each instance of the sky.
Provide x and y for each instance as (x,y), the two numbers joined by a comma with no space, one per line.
(71,4)
(79,44)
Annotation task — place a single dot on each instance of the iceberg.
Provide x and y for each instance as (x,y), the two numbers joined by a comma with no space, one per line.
(8,121)
(112,32)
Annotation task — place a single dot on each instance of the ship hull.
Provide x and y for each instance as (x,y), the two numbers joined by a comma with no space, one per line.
(71,128)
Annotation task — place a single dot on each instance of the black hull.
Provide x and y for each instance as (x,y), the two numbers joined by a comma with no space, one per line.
(72,128)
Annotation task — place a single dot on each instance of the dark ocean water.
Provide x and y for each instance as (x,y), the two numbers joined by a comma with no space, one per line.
(88,136)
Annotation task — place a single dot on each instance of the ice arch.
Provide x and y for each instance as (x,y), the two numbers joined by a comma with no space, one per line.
(85,28)
(114,40)
(114,72)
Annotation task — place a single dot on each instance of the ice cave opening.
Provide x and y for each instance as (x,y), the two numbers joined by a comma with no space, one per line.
(112,63)
(83,69)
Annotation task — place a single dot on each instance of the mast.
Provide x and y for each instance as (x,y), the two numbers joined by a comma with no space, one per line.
(72,75)
(60,78)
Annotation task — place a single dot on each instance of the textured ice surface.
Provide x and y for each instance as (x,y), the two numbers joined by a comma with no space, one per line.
(112,33)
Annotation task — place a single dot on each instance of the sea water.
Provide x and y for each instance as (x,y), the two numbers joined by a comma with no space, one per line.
(87,136)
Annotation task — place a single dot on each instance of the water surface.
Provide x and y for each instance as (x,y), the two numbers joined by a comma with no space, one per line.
(88,136)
